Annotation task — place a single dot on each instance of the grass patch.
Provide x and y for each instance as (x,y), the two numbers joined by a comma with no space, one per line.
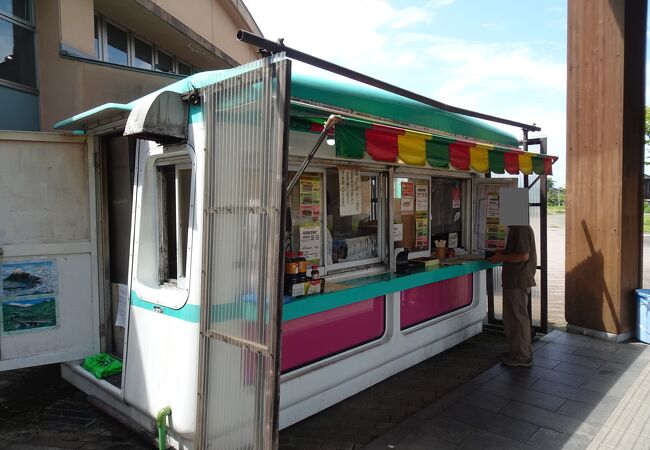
(646,223)
(555,209)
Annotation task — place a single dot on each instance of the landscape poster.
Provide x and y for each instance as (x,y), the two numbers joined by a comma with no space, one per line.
(28,278)
(19,315)
(28,295)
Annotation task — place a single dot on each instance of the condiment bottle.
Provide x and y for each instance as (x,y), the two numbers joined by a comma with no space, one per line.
(302,268)
(315,274)
(290,271)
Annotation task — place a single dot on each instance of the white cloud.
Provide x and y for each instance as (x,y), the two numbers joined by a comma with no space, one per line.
(515,80)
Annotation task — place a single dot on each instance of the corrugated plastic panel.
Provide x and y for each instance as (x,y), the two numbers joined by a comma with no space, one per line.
(245,165)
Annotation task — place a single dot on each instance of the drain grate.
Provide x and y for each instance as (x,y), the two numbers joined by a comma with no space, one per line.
(65,418)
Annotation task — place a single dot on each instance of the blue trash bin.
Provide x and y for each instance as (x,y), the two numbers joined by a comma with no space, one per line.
(643,315)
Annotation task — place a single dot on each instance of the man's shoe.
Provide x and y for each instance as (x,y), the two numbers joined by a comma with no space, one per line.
(510,362)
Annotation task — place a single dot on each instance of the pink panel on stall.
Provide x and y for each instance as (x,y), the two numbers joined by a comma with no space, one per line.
(314,337)
(435,299)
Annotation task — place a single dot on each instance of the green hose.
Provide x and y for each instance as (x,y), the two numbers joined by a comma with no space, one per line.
(161,421)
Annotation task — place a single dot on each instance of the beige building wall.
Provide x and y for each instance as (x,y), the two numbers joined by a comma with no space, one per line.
(70,81)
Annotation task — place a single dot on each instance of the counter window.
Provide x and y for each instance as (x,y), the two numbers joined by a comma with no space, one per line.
(447,197)
(174,182)
(353,217)
(335,218)
(411,207)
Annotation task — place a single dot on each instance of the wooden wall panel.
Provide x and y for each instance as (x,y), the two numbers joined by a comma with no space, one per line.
(605,63)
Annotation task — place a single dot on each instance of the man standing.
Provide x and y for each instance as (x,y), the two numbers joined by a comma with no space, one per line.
(519,260)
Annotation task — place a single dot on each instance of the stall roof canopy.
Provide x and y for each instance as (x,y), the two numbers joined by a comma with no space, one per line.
(313,92)
(341,94)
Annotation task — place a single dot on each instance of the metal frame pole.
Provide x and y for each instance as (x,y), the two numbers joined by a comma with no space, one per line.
(269,46)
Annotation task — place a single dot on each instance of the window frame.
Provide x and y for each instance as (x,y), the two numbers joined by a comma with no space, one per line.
(465,203)
(179,163)
(179,60)
(336,268)
(19,20)
(129,50)
(132,38)
(171,55)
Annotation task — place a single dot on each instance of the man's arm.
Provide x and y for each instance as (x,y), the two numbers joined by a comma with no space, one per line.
(510,257)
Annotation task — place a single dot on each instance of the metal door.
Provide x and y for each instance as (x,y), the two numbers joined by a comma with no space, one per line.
(48,252)
(246,120)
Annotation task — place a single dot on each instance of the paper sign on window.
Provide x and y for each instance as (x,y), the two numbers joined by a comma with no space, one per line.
(455,198)
(406,203)
(421,197)
(398,232)
(349,192)
(310,194)
(310,243)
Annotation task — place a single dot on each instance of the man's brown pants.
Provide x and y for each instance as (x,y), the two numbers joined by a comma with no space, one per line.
(516,323)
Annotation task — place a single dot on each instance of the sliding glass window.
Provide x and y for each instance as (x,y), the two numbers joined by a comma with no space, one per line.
(17,57)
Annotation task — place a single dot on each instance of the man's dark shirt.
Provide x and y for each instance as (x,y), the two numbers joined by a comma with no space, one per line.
(521,239)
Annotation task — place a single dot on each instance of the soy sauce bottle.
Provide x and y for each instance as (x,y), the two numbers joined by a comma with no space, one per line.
(302,268)
(291,273)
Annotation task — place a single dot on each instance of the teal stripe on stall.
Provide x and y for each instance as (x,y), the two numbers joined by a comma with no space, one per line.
(188,313)
(365,288)
(353,291)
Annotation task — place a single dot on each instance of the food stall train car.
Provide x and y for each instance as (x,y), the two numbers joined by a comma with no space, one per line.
(192,235)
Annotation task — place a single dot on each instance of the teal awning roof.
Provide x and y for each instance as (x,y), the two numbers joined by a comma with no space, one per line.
(323,91)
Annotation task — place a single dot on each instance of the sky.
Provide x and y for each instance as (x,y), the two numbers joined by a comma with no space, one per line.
(501,57)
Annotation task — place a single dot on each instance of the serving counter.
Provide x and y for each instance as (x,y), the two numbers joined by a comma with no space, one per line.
(353,312)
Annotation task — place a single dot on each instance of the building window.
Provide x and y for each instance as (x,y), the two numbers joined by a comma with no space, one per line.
(17,56)
(97,43)
(174,187)
(164,61)
(117,45)
(20,9)
(142,54)
(182,68)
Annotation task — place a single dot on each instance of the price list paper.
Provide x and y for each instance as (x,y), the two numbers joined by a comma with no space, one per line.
(349,192)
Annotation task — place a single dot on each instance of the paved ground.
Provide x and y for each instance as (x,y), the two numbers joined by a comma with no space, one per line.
(358,420)
(39,410)
(555,257)
(581,393)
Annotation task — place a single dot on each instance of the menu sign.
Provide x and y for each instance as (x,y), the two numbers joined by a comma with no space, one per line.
(310,243)
(421,197)
(495,233)
(310,194)
(349,192)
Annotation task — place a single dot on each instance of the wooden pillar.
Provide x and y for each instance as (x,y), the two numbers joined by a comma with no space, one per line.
(605,117)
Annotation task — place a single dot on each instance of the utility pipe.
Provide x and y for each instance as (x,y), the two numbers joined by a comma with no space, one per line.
(161,421)
(331,121)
